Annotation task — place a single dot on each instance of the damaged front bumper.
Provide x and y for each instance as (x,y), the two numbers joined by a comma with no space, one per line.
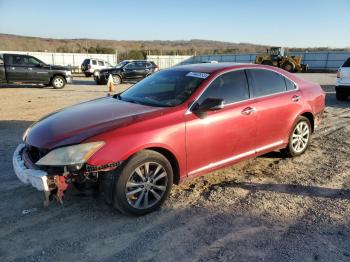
(54,183)
(37,178)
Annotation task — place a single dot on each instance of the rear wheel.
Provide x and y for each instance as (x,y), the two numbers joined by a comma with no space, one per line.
(58,82)
(341,96)
(143,183)
(288,66)
(300,137)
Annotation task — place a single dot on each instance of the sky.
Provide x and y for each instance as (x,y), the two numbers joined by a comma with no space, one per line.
(293,23)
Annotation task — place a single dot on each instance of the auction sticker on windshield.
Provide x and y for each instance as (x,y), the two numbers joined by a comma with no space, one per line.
(198,74)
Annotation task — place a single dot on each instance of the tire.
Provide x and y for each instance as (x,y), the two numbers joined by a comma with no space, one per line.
(131,190)
(298,137)
(288,66)
(117,80)
(58,82)
(340,96)
(267,62)
(87,74)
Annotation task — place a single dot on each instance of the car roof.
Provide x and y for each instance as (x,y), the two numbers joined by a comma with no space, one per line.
(210,67)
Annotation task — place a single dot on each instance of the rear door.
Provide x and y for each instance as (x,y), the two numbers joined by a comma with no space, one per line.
(226,135)
(277,101)
(16,69)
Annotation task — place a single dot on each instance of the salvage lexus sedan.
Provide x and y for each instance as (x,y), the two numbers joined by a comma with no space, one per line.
(182,122)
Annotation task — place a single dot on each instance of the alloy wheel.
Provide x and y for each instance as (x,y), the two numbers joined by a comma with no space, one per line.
(300,137)
(146,185)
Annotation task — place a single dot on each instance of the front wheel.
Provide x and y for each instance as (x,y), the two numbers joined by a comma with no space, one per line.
(299,138)
(143,183)
(116,80)
(58,82)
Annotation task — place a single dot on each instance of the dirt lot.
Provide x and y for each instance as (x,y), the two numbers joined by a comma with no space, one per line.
(266,209)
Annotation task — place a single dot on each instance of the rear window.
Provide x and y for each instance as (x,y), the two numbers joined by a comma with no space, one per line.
(347,63)
(86,62)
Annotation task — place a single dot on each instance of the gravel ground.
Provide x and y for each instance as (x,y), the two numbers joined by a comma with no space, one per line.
(265,209)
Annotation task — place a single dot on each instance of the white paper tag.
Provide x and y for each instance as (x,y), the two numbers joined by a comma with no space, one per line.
(198,74)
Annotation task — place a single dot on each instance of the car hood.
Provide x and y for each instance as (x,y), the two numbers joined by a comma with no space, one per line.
(80,122)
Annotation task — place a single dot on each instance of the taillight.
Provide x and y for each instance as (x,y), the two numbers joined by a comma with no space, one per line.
(338,73)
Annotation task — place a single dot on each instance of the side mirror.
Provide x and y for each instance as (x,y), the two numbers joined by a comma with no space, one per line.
(209,104)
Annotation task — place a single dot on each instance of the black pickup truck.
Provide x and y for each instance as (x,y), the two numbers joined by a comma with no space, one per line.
(18,68)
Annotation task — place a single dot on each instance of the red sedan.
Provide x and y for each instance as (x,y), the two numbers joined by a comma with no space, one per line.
(181,122)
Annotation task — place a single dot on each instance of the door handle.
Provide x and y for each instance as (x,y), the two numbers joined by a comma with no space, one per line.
(30,68)
(296,98)
(13,68)
(248,110)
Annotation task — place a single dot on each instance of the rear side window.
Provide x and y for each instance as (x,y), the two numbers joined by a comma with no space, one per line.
(231,87)
(266,82)
(289,84)
(347,63)
(16,60)
(94,62)
(100,63)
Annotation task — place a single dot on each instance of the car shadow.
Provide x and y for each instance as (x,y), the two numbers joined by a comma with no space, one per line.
(291,189)
(24,86)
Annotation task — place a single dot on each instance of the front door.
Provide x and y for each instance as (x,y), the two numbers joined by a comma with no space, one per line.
(225,135)
(37,72)
(129,70)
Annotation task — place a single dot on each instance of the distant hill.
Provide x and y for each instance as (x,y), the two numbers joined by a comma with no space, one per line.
(130,49)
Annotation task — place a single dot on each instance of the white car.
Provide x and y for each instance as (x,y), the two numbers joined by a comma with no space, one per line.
(342,86)
(92,66)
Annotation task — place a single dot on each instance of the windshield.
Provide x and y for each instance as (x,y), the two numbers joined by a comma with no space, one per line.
(165,88)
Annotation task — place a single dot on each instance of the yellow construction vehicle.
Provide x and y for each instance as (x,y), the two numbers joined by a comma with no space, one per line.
(275,56)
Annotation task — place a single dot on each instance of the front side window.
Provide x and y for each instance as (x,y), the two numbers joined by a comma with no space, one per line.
(31,61)
(94,62)
(266,82)
(166,88)
(130,66)
(231,87)
(100,63)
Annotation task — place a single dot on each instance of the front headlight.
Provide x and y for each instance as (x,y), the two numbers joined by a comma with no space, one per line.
(70,155)
(96,73)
